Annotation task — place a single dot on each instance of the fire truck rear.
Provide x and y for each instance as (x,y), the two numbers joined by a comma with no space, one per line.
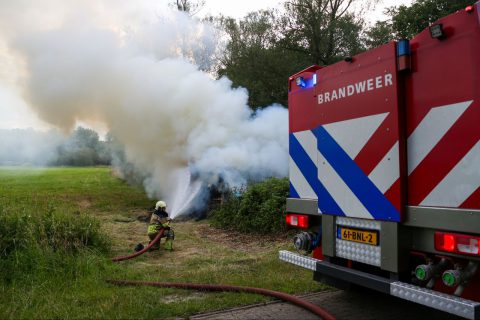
(385,168)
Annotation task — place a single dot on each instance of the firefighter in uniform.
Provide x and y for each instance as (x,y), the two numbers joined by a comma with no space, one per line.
(158,221)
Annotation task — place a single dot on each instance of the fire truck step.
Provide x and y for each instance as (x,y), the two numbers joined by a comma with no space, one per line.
(437,300)
(299,260)
(448,303)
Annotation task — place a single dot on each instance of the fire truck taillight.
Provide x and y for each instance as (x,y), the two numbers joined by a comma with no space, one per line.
(457,243)
(297,220)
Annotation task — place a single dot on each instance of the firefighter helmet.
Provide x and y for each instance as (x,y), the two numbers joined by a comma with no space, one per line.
(160,205)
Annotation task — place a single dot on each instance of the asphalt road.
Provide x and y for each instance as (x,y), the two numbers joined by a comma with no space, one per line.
(355,304)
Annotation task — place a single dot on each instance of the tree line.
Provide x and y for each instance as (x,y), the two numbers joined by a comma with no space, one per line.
(82,147)
(267,46)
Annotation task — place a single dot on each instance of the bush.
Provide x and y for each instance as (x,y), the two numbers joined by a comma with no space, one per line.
(46,242)
(259,209)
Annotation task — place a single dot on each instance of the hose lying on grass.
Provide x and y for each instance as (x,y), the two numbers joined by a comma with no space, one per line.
(136,254)
(210,287)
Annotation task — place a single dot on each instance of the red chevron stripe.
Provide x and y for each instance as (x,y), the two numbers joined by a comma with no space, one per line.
(379,144)
(473,201)
(444,156)
(393,194)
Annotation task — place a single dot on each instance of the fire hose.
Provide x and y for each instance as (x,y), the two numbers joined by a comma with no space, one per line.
(136,254)
(209,287)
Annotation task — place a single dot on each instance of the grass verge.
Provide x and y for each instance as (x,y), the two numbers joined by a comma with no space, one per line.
(70,283)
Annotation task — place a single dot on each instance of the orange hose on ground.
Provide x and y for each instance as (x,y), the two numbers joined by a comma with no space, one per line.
(209,287)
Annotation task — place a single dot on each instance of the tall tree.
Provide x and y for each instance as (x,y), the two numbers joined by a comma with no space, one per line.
(83,148)
(266,47)
(379,34)
(85,138)
(325,30)
(254,60)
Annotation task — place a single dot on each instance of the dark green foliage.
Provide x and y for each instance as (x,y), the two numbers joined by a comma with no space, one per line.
(83,148)
(408,21)
(259,209)
(325,31)
(381,33)
(266,47)
(254,60)
(35,242)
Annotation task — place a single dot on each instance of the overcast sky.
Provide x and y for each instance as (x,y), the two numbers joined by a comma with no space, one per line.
(15,113)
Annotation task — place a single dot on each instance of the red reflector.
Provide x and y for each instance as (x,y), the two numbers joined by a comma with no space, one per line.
(457,243)
(297,220)
(469,9)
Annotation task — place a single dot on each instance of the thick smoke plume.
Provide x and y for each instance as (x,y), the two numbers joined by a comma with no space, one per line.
(138,70)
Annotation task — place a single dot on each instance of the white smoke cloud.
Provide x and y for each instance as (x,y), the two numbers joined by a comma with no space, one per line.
(137,69)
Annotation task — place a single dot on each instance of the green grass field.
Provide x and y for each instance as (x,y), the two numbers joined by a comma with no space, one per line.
(51,283)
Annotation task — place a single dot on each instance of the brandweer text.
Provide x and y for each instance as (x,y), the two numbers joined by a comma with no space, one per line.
(356,88)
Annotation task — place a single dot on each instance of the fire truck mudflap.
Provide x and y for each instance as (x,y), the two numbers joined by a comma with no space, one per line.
(384,168)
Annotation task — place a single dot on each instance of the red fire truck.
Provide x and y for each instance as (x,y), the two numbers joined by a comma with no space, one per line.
(385,168)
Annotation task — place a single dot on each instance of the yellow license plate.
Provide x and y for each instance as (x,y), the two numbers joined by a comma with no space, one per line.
(355,235)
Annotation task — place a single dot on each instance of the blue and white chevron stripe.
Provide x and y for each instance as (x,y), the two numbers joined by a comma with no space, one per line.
(303,165)
(322,167)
